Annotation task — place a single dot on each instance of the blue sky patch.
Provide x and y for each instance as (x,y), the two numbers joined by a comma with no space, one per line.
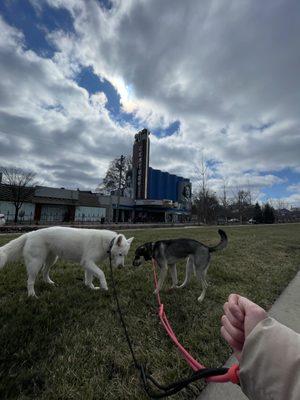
(257,128)
(276,191)
(212,163)
(93,84)
(106,4)
(35,24)
(281,189)
(172,129)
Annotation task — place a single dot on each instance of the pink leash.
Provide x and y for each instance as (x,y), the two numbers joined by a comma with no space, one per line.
(232,375)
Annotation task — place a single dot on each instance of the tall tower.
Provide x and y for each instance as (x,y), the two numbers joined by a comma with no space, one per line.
(140,164)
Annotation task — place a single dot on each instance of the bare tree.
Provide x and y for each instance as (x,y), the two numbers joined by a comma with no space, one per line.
(203,176)
(279,204)
(242,202)
(205,201)
(223,198)
(206,206)
(21,185)
(112,179)
(120,166)
(117,178)
(253,192)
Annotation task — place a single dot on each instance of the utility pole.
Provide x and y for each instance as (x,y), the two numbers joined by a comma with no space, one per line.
(120,167)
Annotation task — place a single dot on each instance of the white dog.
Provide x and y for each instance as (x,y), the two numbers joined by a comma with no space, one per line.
(87,247)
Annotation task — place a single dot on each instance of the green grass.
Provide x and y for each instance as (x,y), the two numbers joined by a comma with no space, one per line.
(68,344)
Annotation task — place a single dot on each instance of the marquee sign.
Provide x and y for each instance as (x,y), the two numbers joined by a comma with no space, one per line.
(140,163)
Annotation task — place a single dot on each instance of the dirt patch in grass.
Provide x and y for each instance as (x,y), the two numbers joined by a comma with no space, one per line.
(69,344)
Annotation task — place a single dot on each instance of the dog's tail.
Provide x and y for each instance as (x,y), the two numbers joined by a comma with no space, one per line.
(222,244)
(12,251)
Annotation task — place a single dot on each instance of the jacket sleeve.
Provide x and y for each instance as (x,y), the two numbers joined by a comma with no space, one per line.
(270,363)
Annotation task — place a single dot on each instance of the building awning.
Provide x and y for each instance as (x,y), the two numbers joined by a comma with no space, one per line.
(167,210)
(178,212)
(122,207)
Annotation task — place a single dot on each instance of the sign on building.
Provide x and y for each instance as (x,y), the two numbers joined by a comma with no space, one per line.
(140,164)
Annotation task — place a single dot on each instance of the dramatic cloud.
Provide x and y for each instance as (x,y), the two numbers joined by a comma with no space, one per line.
(226,73)
(47,117)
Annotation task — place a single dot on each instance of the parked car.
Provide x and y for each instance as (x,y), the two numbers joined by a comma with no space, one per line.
(252,221)
(2,219)
(232,220)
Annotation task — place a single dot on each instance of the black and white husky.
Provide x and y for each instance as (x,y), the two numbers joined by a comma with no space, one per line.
(168,252)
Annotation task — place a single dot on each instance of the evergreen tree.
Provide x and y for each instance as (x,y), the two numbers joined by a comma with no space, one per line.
(268,214)
(258,215)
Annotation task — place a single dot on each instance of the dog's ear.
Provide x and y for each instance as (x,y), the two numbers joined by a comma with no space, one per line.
(129,241)
(140,250)
(119,240)
(148,246)
(148,249)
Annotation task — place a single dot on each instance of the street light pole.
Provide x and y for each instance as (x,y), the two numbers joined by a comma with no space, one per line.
(119,186)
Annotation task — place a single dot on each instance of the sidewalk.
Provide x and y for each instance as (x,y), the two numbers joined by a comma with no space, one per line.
(286,310)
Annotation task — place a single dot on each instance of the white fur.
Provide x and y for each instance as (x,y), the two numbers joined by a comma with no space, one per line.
(87,247)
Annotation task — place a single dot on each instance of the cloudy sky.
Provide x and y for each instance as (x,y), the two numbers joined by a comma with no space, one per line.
(211,80)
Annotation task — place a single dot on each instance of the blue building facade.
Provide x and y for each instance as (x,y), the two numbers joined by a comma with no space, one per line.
(165,186)
(159,196)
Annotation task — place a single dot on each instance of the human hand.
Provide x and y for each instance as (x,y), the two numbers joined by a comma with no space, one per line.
(240,317)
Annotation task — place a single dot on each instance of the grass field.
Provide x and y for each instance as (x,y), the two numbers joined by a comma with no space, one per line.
(68,344)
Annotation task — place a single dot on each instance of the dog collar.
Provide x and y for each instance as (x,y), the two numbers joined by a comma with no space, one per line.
(111,245)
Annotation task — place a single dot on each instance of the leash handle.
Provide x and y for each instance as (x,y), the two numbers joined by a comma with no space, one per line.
(232,375)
